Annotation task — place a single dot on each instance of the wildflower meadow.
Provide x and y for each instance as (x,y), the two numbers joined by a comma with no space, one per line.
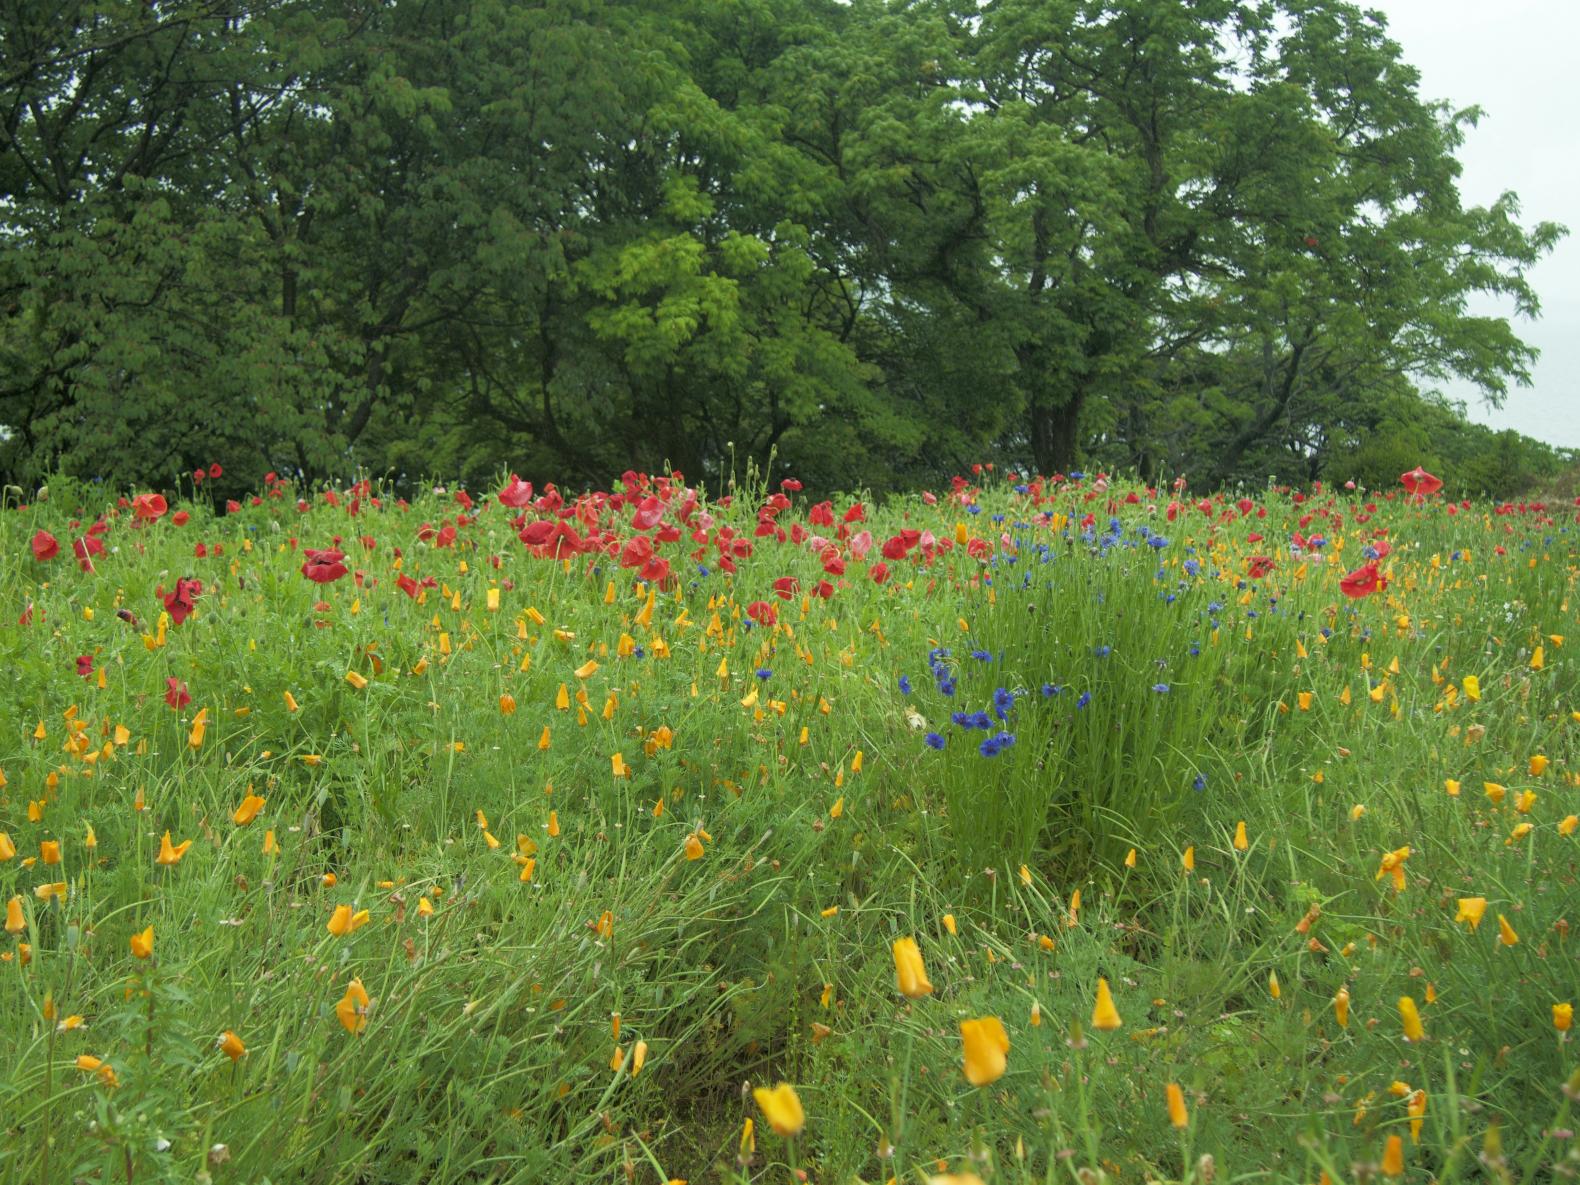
(1021,830)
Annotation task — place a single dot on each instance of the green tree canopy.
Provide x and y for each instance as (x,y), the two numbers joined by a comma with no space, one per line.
(875,240)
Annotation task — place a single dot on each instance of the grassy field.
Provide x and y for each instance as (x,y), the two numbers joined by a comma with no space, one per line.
(538,838)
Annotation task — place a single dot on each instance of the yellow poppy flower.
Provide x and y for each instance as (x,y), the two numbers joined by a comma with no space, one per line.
(781,1107)
(1410,1018)
(909,971)
(353,1007)
(343,921)
(1105,1017)
(985,1045)
(170,853)
(231,1045)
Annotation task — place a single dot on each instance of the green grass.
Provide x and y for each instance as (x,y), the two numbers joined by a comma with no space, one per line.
(486,1055)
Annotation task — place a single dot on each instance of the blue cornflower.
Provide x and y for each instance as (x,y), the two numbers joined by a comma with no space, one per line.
(1086,698)
(1003,701)
(905,685)
(982,655)
(1161,688)
(764,673)
(994,745)
(1201,782)
(1158,542)
(1192,568)
(1103,651)
(1050,689)
(934,741)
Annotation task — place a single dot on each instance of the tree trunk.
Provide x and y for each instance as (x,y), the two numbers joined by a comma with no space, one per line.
(1055,432)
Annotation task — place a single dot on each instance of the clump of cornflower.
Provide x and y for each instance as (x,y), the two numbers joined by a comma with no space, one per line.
(996,744)
(934,741)
(1003,701)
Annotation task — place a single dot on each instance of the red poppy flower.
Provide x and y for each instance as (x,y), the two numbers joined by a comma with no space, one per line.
(762,613)
(648,513)
(176,693)
(551,538)
(148,507)
(324,565)
(896,546)
(407,585)
(879,572)
(179,602)
(1420,483)
(786,587)
(1261,565)
(84,665)
(215,470)
(636,552)
(85,549)
(821,515)
(45,546)
(180,518)
(517,494)
(1364,581)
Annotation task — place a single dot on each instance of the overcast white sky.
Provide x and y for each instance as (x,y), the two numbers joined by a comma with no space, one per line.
(1516,60)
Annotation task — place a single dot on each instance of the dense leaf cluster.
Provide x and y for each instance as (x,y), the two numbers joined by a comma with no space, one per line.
(885,237)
